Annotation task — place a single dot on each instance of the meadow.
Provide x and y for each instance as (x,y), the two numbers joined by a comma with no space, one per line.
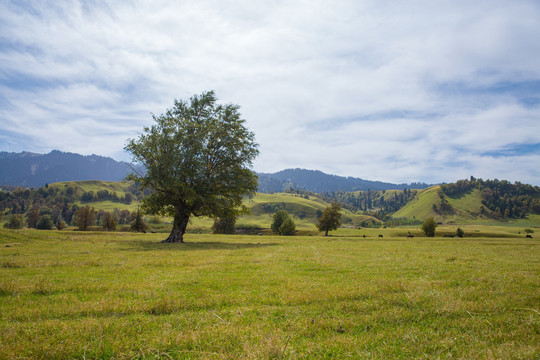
(97,295)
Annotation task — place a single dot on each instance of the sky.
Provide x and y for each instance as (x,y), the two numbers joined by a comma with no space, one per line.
(398,91)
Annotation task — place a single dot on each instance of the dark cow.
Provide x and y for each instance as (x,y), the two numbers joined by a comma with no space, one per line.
(380,235)
(364,236)
(410,236)
(528,236)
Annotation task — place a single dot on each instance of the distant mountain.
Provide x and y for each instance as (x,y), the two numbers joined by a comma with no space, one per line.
(34,170)
(319,182)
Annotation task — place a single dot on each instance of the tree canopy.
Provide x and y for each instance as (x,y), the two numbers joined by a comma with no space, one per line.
(198,157)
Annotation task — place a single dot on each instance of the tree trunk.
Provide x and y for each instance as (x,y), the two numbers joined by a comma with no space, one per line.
(326,234)
(180,223)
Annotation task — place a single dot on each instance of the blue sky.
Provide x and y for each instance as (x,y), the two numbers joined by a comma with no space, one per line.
(431,91)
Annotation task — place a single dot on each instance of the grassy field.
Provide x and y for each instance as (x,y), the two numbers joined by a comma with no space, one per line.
(121,295)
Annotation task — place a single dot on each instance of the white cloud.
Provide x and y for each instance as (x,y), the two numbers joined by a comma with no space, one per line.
(380,90)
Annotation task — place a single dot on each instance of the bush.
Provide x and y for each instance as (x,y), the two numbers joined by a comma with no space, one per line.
(459,232)
(282,224)
(288,227)
(428,227)
(61,224)
(528,231)
(14,222)
(224,225)
(45,223)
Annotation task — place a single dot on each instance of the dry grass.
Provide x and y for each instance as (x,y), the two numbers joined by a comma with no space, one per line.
(101,296)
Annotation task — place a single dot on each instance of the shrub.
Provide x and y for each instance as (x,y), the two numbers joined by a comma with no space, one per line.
(224,225)
(45,222)
(281,222)
(61,224)
(428,227)
(288,227)
(459,232)
(15,222)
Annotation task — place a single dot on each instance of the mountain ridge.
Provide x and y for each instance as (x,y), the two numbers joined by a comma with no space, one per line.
(28,169)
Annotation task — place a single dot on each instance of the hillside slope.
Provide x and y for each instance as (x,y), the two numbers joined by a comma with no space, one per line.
(432,202)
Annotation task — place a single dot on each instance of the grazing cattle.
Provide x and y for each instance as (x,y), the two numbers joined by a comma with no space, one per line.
(364,236)
(380,235)
(528,236)
(409,235)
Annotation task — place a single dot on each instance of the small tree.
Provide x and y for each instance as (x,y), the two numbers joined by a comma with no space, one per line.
(330,219)
(108,222)
(138,224)
(460,232)
(15,222)
(45,223)
(288,227)
(282,223)
(428,227)
(33,217)
(85,217)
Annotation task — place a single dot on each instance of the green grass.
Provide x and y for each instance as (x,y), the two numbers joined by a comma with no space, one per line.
(421,206)
(120,295)
(466,210)
(119,187)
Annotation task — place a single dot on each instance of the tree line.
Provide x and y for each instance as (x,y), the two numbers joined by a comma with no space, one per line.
(52,206)
(378,204)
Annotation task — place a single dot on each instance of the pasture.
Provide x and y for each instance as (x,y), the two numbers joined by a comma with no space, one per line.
(100,295)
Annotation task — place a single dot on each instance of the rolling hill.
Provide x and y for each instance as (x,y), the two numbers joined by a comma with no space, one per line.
(467,202)
(463,208)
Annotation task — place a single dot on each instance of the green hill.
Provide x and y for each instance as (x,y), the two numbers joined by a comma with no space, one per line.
(464,208)
(110,195)
(305,210)
(421,207)
(465,202)
(433,202)
(80,187)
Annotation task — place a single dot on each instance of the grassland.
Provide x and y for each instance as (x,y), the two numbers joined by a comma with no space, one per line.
(120,295)
(120,187)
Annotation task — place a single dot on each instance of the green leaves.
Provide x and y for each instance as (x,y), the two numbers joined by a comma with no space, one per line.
(198,157)
(282,224)
(429,226)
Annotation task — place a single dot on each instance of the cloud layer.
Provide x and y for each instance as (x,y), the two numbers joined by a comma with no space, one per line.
(422,91)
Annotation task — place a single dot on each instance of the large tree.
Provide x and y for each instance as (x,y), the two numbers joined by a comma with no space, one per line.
(198,158)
